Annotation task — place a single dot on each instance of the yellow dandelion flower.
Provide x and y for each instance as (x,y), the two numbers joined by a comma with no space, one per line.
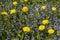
(26,29)
(43,7)
(25,9)
(26,0)
(41,27)
(12,11)
(15,3)
(51,31)
(4,13)
(53,8)
(45,21)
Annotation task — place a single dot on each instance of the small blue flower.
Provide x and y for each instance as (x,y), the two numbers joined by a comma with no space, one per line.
(37,6)
(55,37)
(58,38)
(58,21)
(7,38)
(59,8)
(2,29)
(32,38)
